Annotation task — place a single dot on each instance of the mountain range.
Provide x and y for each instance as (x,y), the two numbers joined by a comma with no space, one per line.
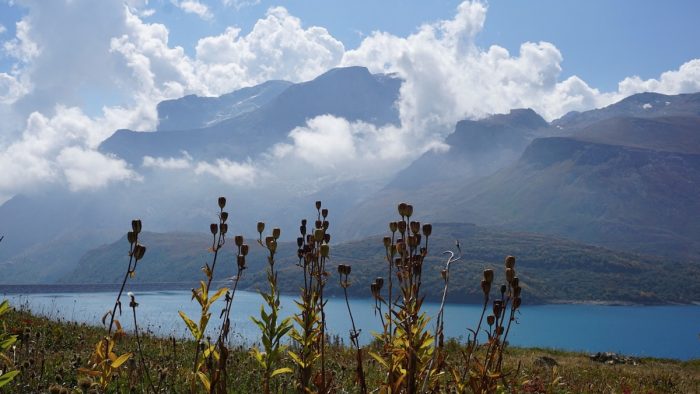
(625,177)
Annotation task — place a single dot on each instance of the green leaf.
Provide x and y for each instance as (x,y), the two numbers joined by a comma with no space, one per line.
(191,325)
(7,377)
(279,371)
(7,343)
(218,294)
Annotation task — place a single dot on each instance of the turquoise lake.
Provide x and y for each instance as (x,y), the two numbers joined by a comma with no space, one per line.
(658,331)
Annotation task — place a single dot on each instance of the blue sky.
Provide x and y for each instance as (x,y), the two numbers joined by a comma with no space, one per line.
(74,71)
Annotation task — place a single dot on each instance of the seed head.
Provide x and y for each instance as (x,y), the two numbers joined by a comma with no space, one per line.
(136,225)
(238,240)
(324,212)
(510,274)
(222,202)
(325,250)
(214,228)
(402,209)
(223,216)
(393,226)
(387,242)
(276,232)
(131,237)
(244,249)
(510,262)
(427,229)
(224,228)
(318,205)
(485,286)
(261,227)
(488,275)
(139,251)
(490,319)
(415,227)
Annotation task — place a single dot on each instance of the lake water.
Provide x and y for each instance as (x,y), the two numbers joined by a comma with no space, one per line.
(658,331)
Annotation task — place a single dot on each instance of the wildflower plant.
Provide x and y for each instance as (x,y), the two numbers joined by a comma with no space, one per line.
(206,354)
(6,342)
(272,328)
(309,333)
(105,363)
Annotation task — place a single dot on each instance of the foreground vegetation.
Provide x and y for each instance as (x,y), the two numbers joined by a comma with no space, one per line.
(409,355)
(48,354)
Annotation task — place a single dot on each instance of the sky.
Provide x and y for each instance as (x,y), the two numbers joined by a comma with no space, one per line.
(73,71)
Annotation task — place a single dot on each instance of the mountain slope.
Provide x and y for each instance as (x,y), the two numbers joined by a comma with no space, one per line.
(550,269)
(352,93)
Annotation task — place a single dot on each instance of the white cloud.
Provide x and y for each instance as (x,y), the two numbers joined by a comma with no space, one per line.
(195,7)
(86,169)
(684,80)
(238,4)
(169,163)
(3,29)
(230,172)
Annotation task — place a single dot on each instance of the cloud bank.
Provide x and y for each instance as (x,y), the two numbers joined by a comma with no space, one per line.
(83,69)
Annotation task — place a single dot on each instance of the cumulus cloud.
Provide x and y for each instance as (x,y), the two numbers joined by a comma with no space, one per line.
(238,4)
(168,163)
(684,80)
(229,172)
(195,7)
(88,169)
(2,28)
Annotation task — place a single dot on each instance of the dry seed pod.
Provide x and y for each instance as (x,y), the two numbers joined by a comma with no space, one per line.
(379,281)
(261,227)
(223,216)
(443,273)
(318,235)
(238,239)
(387,242)
(510,262)
(302,230)
(393,226)
(222,202)
(510,274)
(497,307)
(324,212)
(273,246)
(318,205)
(214,228)
(503,289)
(402,209)
(139,251)
(415,227)
(224,228)
(485,286)
(276,232)
(326,238)
(325,250)
(409,210)
(516,291)
(136,225)
(490,319)
(499,330)
(269,241)
(341,268)
(318,224)
(244,249)
(401,246)
(427,229)
(488,275)
(300,241)
(402,227)
(131,237)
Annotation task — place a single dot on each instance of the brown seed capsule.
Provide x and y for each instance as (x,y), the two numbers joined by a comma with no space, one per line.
(276,232)
(325,250)
(497,307)
(510,274)
(302,230)
(427,229)
(387,242)
(516,302)
(222,202)
(444,274)
(415,227)
(503,289)
(499,330)
(261,227)
(485,286)
(238,239)
(300,241)
(318,224)
(269,241)
(516,291)
(393,227)
(341,268)
(326,224)
(136,225)
(490,319)
(139,251)
(273,246)
(510,262)
(326,238)
(214,228)
(409,210)
(324,213)
(224,228)
(241,261)
(131,237)
(379,281)
(488,275)
(318,235)
(402,227)
(412,241)
(402,209)
(244,249)
(223,216)
(515,282)
(400,246)
(318,205)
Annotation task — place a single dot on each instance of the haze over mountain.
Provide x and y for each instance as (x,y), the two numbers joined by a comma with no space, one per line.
(624,176)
